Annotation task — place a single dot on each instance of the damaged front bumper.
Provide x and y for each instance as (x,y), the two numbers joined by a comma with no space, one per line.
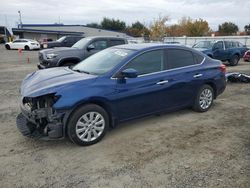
(40,122)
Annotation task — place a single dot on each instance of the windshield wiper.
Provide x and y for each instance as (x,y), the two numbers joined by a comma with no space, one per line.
(81,71)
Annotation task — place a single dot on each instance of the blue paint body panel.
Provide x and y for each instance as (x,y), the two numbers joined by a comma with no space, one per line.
(134,98)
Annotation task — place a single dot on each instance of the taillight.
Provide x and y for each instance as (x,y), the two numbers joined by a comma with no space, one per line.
(223,68)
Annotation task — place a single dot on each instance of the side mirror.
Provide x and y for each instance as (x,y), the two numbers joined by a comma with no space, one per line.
(129,73)
(65,41)
(90,47)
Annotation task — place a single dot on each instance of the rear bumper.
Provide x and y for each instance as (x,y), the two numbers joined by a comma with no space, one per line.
(221,86)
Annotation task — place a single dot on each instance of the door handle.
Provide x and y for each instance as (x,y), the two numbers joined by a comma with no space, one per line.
(198,75)
(162,82)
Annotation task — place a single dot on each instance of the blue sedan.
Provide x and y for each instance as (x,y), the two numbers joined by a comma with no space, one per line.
(116,85)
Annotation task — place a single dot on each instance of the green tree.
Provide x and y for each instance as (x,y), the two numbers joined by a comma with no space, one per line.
(137,29)
(188,27)
(228,28)
(247,29)
(94,25)
(112,24)
(197,28)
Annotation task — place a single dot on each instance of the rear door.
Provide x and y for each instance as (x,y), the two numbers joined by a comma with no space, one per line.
(184,77)
(23,43)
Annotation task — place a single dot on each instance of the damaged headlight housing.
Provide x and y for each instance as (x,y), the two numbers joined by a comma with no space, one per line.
(51,55)
(45,101)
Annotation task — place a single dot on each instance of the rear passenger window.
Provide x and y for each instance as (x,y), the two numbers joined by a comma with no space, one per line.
(148,62)
(180,58)
(198,58)
(116,42)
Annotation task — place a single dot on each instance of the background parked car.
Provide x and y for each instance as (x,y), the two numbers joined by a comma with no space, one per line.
(230,51)
(78,52)
(115,85)
(65,41)
(44,41)
(246,56)
(25,44)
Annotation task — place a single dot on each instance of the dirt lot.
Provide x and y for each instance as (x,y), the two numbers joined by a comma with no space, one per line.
(180,149)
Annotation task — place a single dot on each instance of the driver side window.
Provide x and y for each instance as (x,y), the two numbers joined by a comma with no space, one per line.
(218,45)
(99,45)
(148,62)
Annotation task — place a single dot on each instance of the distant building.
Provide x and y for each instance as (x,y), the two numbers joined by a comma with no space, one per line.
(55,31)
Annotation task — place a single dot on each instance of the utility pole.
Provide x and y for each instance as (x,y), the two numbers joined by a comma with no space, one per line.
(20,19)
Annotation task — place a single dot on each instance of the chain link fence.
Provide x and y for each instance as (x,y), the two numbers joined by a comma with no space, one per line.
(190,41)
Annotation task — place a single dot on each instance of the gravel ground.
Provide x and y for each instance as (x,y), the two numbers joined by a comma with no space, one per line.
(179,149)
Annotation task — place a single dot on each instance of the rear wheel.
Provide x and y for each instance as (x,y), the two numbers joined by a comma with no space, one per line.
(204,99)
(234,60)
(88,125)
(7,47)
(26,47)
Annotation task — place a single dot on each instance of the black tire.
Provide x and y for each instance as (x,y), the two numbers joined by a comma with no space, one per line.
(7,47)
(198,107)
(72,126)
(234,60)
(26,47)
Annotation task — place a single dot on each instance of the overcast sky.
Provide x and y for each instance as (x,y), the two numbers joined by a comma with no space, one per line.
(86,11)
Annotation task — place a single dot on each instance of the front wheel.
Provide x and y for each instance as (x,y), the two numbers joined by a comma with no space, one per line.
(7,47)
(88,125)
(204,99)
(234,60)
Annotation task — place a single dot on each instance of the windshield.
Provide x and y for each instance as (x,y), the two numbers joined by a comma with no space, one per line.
(81,43)
(204,44)
(61,39)
(103,61)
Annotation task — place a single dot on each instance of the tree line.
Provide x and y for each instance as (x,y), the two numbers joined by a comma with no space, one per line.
(160,28)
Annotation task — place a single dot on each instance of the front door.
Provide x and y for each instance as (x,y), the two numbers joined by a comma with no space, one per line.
(95,46)
(219,51)
(140,96)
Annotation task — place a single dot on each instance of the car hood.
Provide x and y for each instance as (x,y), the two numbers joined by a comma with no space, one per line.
(52,80)
(59,50)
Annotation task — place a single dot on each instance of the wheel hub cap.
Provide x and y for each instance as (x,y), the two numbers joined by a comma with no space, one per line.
(206,98)
(90,126)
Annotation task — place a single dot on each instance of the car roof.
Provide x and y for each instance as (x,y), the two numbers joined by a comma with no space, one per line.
(144,46)
(109,37)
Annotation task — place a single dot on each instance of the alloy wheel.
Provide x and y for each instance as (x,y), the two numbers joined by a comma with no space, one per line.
(90,126)
(206,98)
